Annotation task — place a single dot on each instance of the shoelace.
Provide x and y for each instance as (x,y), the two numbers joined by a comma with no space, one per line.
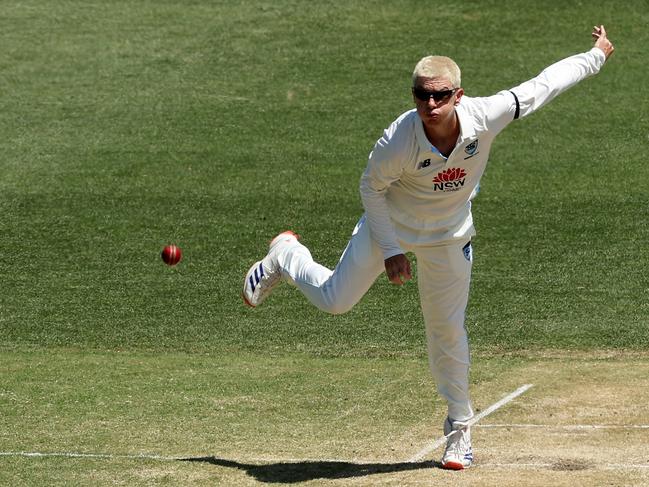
(268,281)
(458,443)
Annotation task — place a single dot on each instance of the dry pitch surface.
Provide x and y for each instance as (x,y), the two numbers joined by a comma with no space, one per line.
(585,422)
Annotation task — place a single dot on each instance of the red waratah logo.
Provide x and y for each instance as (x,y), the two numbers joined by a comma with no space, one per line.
(450,179)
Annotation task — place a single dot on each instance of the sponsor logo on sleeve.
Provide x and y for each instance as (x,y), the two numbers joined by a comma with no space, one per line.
(467,250)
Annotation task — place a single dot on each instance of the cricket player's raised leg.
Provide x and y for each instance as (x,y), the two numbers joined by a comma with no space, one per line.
(333,291)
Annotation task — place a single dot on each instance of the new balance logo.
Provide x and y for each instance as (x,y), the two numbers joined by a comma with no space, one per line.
(451,179)
(256,276)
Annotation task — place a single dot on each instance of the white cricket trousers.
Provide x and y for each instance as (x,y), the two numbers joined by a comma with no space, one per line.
(443,277)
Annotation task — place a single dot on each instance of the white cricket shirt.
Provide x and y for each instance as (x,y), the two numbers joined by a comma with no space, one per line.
(411,193)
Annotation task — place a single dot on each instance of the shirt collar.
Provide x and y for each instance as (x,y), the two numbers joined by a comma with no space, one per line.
(467,130)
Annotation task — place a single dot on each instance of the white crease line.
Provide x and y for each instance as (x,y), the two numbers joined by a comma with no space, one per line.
(440,441)
(567,426)
(179,458)
(558,466)
(86,455)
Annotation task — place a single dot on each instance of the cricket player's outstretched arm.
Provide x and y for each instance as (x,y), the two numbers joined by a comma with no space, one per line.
(562,75)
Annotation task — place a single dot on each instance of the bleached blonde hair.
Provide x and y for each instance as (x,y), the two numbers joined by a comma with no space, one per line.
(438,67)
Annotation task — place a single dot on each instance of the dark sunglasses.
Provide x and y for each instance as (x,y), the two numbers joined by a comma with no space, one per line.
(425,95)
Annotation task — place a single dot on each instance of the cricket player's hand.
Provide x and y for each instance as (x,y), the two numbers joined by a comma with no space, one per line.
(397,268)
(601,40)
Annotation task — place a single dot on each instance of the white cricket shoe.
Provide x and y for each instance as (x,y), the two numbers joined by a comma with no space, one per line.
(458,454)
(264,275)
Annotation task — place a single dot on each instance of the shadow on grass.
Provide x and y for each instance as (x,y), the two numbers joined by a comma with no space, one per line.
(293,472)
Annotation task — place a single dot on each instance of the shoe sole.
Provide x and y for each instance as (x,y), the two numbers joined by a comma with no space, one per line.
(453,466)
(286,232)
(270,244)
(245,300)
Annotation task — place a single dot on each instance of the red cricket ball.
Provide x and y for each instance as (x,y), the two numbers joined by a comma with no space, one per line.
(171,254)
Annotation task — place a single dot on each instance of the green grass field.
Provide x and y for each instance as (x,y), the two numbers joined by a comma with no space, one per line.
(127,125)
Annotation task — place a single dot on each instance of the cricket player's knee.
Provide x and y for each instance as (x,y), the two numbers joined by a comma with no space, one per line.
(337,303)
(337,308)
(449,334)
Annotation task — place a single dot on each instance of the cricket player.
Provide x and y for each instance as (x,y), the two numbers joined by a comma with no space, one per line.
(416,190)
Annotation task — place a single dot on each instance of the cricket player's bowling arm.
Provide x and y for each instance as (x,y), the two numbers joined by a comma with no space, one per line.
(378,218)
(556,79)
(383,169)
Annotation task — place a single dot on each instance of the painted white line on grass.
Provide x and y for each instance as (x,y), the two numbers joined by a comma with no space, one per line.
(605,466)
(441,441)
(180,458)
(568,427)
(86,455)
